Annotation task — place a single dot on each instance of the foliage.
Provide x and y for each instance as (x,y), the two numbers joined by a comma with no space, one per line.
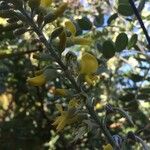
(74,74)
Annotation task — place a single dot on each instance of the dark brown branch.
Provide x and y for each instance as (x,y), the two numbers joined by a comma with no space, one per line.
(140,20)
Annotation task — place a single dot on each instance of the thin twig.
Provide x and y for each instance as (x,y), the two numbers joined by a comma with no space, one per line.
(140,20)
(4,55)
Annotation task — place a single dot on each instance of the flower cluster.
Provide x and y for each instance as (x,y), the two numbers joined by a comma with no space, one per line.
(68,116)
(88,65)
(76,40)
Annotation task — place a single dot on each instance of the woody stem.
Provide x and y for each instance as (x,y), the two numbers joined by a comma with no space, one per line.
(51,50)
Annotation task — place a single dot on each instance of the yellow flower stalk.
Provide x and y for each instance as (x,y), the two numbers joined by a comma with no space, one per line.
(107,147)
(37,80)
(45,3)
(81,41)
(71,27)
(61,92)
(66,118)
(88,64)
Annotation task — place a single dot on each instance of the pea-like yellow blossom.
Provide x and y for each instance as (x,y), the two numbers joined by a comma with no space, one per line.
(99,106)
(107,147)
(60,10)
(91,79)
(37,80)
(71,27)
(66,117)
(88,64)
(45,3)
(73,103)
(61,92)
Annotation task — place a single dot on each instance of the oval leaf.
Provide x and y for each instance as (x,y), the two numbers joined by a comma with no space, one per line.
(108,49)
(133,41)
(85,23)
(99,20)
(125,9)
(123,1)
(111,18)
(121,42)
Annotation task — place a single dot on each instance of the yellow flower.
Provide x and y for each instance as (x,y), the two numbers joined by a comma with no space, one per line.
(81,41)
(73,39)
(73,103)
(91,79)
(45,3)
(60,10)
(37,80)
(107,147)
(88,64)
(61,92)
(99,106)
(71,27)
(66,118)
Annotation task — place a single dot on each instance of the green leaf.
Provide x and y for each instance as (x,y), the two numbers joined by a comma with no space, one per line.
(43,57)
(123,1)
(85,23)
(33,4)
(56,33)
(99,20)
(121,42)
(108,49)
(111,18)
(133,41)
(125,10)
(141,5)
(126,115)
(78,29)
(145,90)
(136,77)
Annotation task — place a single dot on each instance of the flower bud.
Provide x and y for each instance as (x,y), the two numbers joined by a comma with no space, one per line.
(46,75)
(61,92)
(61,9)
(37,80)
(81,41)
(71,27)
